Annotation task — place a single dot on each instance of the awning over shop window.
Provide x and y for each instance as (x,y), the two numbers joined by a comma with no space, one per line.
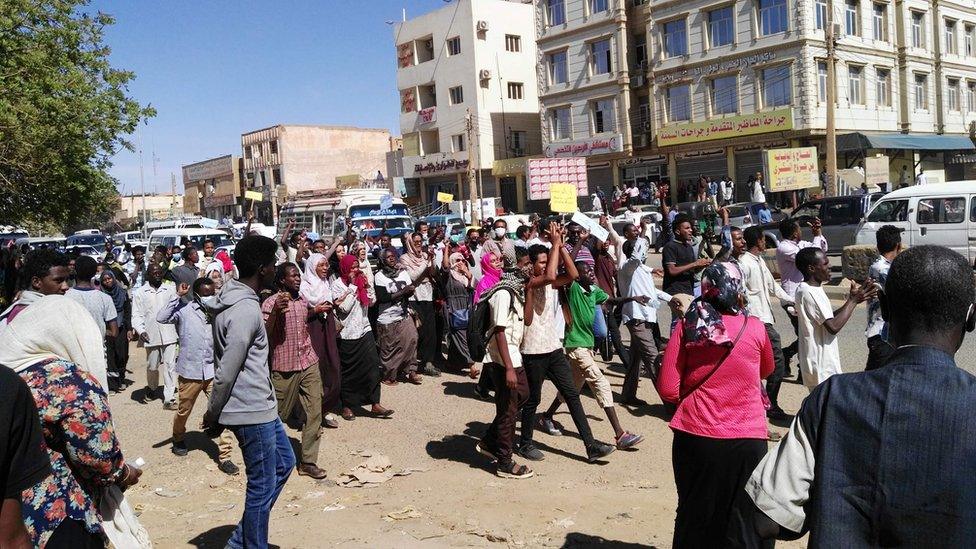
(904,141)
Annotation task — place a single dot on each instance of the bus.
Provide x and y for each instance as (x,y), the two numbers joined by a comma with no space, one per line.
(327,213)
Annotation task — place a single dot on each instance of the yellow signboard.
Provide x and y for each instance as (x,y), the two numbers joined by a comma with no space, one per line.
(253,195)
(445,197)
(347,181)
(792,169)
(725,128)
(562,197)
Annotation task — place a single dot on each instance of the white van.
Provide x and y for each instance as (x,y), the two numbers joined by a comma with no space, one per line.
(943,214)
(196,237)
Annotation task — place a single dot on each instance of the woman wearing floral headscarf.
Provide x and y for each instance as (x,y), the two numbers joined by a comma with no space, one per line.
(357,348)
(712,370)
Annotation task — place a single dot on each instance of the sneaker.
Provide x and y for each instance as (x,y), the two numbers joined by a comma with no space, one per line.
(227,467)
(530,452)
(547,426)
(628,440)
(180,449)
(597,451)
(170,405)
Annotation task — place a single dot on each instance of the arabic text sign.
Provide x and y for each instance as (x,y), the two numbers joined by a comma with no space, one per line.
(792,169)
(253,195)
(386,202)
(725,128)
(562,197)
(446,198)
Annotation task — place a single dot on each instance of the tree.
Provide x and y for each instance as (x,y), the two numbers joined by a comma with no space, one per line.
(64,110)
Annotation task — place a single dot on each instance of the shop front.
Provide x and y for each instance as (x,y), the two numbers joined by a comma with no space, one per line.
(510,176)
(650,169)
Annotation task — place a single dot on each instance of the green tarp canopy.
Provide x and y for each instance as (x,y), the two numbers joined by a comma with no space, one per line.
(904,141)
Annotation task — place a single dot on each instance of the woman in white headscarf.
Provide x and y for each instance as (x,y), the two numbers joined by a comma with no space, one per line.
(56,347)
(315,288)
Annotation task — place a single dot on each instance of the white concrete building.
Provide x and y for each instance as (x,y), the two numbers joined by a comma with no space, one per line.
(721,67)
(470,57)
(594,98)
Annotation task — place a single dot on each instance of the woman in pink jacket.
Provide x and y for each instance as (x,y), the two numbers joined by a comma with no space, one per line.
(712,369)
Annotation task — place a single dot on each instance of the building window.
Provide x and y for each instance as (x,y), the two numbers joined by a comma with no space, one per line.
(921,92)
(720,27)
(457,95)
(558,69)
(773,17)
(276,176)
(273,145)
(851,19)
(820,14)
(675,38)
(518,142)
(640,48)
(970,31)
(597,6)
(513,42)
(855,85)
(560,124)
(953,94)
(777,86)
(515,90)
(950,36)
(454,45)
(603,119)
(556,12)
(457,143)
(822,81)
(725,95)
(884,88)
(971,97)
(600,57)
(918,29)
(881,22)
(678,99)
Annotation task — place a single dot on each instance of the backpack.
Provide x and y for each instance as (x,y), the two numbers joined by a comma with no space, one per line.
(479,321)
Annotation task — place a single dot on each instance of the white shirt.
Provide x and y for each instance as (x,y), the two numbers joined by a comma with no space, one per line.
(819,351)
(542,336)
(503,313)
(728,189)
(921,179)
(351,312)
(757,192)
(391,312)
(98,303)
(146,302)
(790,277)
(759,285)
(635,279)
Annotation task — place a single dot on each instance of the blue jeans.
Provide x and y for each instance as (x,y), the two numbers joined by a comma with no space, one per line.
(268,461)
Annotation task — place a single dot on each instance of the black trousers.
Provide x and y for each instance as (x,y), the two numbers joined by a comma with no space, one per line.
(72,534)
(426,333)
(117,355)
(711,474)
(775,380)
(879,351)
(791,351)
(555,367)
(614,316)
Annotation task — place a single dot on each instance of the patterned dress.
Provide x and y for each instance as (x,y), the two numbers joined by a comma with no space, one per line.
(79,439)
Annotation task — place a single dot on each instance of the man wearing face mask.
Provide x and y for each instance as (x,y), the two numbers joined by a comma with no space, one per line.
(195,365)
(500,243)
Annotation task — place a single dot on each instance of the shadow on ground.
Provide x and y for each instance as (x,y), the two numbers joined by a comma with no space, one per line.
(577,539)
(215,538)
(460,448)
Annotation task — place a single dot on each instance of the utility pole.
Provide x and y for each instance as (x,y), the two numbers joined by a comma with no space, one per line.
(172,184)
(472,191)
(142,183)
(831,136)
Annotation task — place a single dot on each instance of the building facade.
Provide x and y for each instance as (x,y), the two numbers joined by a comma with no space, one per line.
(732,79)
(287,159)
(214,188)
(129,211)
(594,95)
(466,80)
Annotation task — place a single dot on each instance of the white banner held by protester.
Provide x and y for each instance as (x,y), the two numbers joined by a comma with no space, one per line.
(591,225)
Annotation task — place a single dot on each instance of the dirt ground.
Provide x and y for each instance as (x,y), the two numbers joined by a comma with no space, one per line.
(627,500)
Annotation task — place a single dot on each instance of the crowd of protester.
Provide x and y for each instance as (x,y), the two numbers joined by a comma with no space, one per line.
(305,333)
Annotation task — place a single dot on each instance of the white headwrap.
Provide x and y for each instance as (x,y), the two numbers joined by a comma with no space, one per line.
(315,290)
(54,326)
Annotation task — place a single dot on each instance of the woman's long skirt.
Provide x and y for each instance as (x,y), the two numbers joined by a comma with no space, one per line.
(426,331)
(361,371)
(398,347)
(324,338)
(711,474)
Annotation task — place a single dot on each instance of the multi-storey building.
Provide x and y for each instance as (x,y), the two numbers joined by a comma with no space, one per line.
(467,89)
(132,208)
(213,188)
(287,159)
(592,73)
(733,78)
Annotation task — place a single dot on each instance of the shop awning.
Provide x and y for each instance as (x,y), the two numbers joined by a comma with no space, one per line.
(905,141)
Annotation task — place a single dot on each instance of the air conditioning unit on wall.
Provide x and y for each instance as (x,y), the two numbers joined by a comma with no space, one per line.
(482,26)
(485,74)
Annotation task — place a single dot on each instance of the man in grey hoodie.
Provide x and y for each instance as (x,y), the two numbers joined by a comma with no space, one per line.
(243,398)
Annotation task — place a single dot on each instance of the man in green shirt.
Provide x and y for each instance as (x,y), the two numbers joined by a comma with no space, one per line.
(584,296)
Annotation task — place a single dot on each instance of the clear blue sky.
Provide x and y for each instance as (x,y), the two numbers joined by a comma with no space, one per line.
(216,69)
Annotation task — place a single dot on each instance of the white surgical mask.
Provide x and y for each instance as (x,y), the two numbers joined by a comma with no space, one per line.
(208,301)
(500,232)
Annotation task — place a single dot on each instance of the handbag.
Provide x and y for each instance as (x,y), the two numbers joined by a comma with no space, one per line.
(459,319)
(720,362)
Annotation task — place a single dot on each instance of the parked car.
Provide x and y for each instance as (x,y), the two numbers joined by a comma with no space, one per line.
(928,214)
(83,249)
(746,214)
(840,216)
